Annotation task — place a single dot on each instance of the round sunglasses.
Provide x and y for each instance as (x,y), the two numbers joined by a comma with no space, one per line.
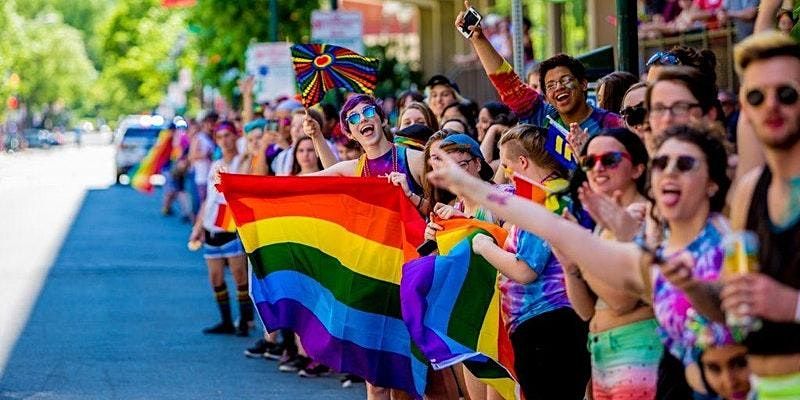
(355,118)
(681,163)
(786,95)
(608,160)
(635,115)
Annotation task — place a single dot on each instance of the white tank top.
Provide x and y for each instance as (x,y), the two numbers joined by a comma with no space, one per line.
(215,199)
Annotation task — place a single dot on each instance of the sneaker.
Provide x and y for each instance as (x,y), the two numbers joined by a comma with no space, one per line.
(274,353)
(314,370)
(222,328)
(243,330)
(259,348)
(350,379)
(294,364)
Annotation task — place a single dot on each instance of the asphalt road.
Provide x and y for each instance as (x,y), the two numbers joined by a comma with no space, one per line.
(122,300)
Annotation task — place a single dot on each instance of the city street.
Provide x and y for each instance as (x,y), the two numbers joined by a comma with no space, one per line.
(100,298)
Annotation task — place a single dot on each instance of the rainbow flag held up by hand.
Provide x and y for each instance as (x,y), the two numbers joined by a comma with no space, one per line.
(327,256)
(156,158)
(451,305)
(224,219)
(542,193)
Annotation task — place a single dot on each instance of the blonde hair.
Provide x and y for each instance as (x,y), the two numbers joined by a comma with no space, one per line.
(762,46)
(530,142)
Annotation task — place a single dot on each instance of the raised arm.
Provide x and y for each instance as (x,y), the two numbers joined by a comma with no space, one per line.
(521,98)
(312,129)
(618,264)
(767,10)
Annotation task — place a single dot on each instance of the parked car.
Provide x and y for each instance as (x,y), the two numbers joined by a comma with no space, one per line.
(133,144)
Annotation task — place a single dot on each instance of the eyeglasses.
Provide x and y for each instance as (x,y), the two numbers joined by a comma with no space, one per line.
(785,94)
(681,164)
(355,118)
(567,81)
(634,115)
(663,58)
(609,160)
(273,124)
(678,109)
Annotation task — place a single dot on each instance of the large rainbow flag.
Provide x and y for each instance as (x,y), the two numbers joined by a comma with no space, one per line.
(451,305)
(327,256)
(156,158)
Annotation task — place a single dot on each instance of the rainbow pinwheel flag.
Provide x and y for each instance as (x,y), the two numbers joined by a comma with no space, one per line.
(322,67)
(327,255)
(542,193)
(451,305)
(156,158)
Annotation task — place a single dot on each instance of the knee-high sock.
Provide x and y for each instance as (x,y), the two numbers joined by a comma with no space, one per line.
(245,305)
(221,294)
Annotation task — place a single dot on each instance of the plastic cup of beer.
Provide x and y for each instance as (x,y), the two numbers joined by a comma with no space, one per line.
(741,257)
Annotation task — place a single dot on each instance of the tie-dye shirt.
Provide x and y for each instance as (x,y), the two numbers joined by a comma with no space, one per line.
(532,108)
(684,331)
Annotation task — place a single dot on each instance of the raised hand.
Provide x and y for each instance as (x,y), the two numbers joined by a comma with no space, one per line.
(311,127)
(577,137)
(609,213)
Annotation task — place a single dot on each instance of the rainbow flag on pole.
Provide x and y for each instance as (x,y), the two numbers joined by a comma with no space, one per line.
(156,158)
(542,193)
(451,305)
(327,255)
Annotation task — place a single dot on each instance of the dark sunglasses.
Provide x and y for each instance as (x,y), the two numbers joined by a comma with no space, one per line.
(786,95)
(634,115)
(663,58)
(355,118)
(609,160)
(682,163)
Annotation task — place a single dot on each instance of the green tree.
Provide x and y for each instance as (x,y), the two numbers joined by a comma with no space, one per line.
(48,56)
(137,48)
(223,29)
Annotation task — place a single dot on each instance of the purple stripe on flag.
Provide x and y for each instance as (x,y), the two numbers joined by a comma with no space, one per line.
(342,355)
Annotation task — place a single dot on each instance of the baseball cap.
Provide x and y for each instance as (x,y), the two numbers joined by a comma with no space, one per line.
(442,80)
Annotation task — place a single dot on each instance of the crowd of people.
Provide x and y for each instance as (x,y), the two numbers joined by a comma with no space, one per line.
(617,288)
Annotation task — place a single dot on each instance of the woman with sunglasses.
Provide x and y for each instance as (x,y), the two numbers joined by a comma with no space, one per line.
(625,348)
(689,182)
(363,120)
(633,111)
(548,338)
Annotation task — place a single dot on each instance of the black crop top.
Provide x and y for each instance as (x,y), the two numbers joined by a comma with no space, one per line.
(779,257)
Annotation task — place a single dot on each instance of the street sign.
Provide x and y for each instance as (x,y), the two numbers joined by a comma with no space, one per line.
(340,28)
(271,66)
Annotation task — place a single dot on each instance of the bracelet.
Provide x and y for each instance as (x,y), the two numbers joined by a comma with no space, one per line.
(797,309)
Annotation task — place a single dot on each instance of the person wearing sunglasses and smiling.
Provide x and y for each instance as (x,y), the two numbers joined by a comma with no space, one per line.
(767,201)
(633,112)
(563,83)
(625,348)
(679,95)
(689,182)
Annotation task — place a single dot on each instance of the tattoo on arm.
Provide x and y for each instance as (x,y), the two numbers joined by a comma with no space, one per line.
(499,198)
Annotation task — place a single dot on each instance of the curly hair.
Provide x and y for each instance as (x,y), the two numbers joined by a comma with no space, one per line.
(561,60)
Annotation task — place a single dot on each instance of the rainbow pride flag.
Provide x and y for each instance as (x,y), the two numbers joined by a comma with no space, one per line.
(451,305)
(224,218)
(542,193)
(327,256)
(156,158)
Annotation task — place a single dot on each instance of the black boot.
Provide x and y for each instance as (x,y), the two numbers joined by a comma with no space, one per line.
(245,310)
(226,325)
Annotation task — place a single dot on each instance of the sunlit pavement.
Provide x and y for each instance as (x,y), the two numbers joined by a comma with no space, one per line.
(99,297)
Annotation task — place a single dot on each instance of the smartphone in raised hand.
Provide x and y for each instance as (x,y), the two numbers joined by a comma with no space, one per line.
(471,18)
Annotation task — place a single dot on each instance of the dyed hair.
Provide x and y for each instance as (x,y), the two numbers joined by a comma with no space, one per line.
(615,85)
(226,125)
(530,141)
(763,46)
(561,60)
(430,119)
(354,101)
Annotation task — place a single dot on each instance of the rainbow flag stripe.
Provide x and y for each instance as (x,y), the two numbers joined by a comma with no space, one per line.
(224,219)
(327,255)
(451,305)
(542,193)
(156,158)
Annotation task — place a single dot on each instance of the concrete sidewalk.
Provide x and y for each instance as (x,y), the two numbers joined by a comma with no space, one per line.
(120,316)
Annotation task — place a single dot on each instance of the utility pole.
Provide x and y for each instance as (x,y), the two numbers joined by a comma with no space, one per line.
(273,20)
(627,37)
(516,36)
